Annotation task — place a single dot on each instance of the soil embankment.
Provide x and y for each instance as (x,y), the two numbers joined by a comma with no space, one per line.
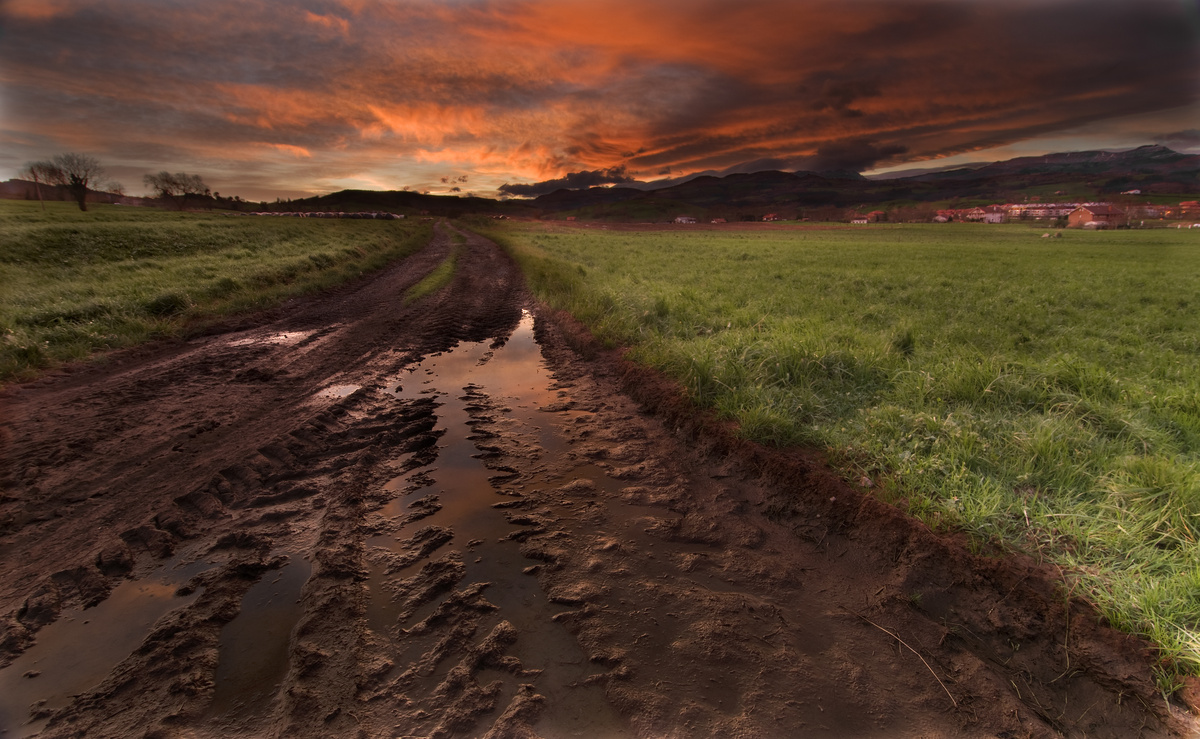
(451,519)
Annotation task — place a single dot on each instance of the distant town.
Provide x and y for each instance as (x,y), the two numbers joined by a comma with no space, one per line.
(1073,215)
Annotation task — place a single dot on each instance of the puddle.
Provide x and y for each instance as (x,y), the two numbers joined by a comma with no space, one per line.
(253,656)
(516,388)
(80,649)
(516,384)
(283,338)
(511,376)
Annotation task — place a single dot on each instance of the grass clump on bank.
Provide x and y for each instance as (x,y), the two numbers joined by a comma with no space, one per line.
(1039,393)
(439,277)
(75,283)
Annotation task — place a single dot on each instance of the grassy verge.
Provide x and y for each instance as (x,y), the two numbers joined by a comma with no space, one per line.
(439,277)
(1039,393)
(76,283)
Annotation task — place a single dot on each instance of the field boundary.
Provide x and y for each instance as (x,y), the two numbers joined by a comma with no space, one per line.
(1070,632)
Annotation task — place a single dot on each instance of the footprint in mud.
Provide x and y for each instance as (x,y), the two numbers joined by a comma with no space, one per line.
(253,648)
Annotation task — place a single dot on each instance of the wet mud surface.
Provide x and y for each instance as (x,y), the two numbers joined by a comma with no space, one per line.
(463,518)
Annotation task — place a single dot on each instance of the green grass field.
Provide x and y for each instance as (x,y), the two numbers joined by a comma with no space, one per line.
(75,283)
(1040,393)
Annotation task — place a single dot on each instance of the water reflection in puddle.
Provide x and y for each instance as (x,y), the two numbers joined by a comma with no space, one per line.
(514,380)
(80,649)
(253,656)
(509,383)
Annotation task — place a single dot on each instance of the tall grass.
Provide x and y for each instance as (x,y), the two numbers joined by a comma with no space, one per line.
(1040,393)
(75,283)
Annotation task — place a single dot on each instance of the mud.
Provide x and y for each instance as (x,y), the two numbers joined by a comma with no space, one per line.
(464,518)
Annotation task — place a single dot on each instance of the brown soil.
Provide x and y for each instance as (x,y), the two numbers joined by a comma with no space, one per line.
(335,523)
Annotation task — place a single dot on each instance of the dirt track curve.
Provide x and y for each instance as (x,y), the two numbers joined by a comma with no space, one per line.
(461,518)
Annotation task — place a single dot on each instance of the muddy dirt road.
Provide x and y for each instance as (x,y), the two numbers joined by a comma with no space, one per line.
(357,518)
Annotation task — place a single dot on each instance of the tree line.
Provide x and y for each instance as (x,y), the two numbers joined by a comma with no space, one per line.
(80,173)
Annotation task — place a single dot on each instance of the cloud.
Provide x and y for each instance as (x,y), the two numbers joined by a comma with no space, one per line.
(333,23)
(1188,139)
(840,94)
(554,91)
(573,181)
(39,10)
(855,155)
(296,151)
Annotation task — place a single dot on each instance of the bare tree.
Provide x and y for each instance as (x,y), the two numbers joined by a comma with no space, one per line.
(177,187)
(76,172)
(41,172)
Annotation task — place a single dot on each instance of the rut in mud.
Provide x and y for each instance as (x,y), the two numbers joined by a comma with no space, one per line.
(366,518)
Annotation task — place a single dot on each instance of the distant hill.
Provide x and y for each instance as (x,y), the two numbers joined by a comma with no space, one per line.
(1156,171)
(1085,175)
(1145,160)
(407,203)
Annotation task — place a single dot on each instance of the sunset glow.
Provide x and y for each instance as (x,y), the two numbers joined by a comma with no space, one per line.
(270,99)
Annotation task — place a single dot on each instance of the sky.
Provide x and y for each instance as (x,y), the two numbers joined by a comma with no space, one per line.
(269,99)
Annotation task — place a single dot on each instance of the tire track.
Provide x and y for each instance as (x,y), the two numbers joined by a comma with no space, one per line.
(370,519)
(296,497)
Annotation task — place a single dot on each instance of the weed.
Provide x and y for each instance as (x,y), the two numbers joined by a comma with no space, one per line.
(170,303)
(438,278)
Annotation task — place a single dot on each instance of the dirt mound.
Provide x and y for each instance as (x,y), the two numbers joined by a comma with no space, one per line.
(366,517)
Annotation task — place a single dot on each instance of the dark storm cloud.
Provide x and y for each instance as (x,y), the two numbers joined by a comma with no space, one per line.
(1189,139)
(853,154)
(530,90)
(952,77)
(573,181)
(839,95)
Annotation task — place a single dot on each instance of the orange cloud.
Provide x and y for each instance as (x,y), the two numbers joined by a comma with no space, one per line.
(37,10)
(541,88)
(296,151)
(331,22)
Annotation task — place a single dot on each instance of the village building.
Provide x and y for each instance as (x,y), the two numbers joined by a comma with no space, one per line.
(771,217)
(876,216)
(685,219)
(994,214)
(719,220)
(1149,211)
(1040,211)
(1102,215)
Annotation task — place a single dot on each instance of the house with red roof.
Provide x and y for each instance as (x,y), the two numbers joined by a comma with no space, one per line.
(1095,215)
